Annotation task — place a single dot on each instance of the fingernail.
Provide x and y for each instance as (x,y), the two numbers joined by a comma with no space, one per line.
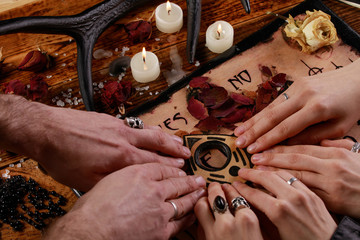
(180,161)
(200,192)
(200,181)
(256,158)
(240,142)
(186,151)
(269,150)
(239,130)
(252,148)
(178,139)
(182,174)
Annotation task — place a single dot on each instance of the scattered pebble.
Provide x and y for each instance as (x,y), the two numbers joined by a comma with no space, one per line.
(22,160)
(157,92)
(18,165)
(150,93)
(124,50)
(49,76)
(101,53)
(60,103)
(63,64)
(141,93)
(11,165)
(0,159)
(64,54)
(101,85)
(116,49)
(197,63)
(157,39)
(56,54)
(118,116)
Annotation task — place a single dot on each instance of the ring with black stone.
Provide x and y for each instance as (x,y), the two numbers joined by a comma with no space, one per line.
(220,205)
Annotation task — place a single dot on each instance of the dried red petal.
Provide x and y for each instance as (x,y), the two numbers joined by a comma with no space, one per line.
(138,31)
(197,109)
(227,108)
(34,61)
(242,99)
(236,116)
(213,97)
(115,93)
(266,71)
(278,80)
(15,87)
(265,97)
(210,123)
(199,82)
(38,88)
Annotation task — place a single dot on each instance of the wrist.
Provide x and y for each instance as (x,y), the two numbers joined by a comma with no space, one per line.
(20,122)
(74,225)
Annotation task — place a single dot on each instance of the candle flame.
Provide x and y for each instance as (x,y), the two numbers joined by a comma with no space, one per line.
(168,7)
(144,58)
(219,30)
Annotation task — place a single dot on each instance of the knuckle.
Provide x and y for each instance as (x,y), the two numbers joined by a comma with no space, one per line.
(340,130)
(321,107)
(281,208)
(228,225)
(283,129)
(160,138)
(299,198)
(201,204)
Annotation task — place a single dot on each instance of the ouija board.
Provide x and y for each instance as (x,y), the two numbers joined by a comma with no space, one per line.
(238,69)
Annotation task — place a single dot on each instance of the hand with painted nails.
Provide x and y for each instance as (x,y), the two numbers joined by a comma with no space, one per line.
(314,108)
(79,148)
(296,211)
(331,170)
(133,203)
(225,215)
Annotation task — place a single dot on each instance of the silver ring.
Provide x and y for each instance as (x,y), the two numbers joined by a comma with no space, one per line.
(356,148)
(286,96)
(176,211)
(239,203)
(292,180)
(134,122)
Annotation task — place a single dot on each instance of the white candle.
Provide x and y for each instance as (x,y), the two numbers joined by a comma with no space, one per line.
(219,36)
(145,66)
(169,17)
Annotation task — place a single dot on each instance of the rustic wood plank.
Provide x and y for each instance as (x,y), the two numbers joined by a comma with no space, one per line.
(63,49)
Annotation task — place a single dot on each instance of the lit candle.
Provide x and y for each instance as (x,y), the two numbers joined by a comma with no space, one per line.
(145,66)
(219,36)
(169,17)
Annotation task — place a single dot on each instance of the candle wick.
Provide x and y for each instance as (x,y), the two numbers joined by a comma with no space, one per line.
(145,66)
(169,12)
(218,34)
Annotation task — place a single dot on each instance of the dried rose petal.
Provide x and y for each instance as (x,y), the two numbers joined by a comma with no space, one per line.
(35,61)
(227,108)
(278,80)
(138,31)
(197,109)
(38,88)
(265,97)
(266,71)
(199,82)
(116,93)
(242,99)
(15,87)
(209,123)
(213,97)
(236,116)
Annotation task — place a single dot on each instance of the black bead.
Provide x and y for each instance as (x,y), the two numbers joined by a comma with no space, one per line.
(220,204)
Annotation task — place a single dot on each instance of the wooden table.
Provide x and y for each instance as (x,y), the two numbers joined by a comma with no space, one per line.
(63,76)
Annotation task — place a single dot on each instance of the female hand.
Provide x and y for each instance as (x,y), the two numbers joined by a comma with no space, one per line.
(239,224)
(318,107)
(297,212)
(133,203)
(332,171)
(78,148)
